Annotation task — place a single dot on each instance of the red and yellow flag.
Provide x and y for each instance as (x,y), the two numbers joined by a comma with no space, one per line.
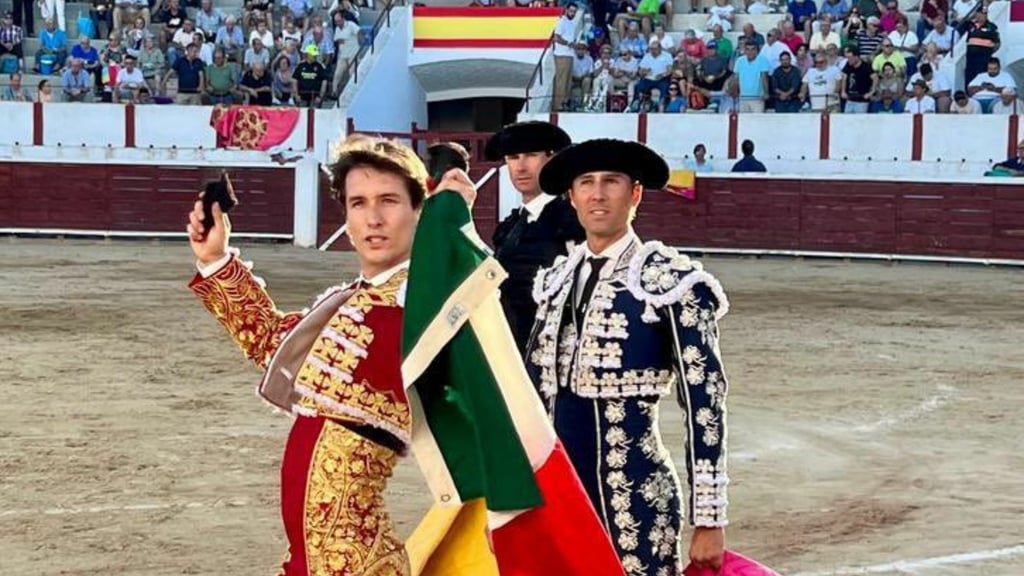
(443,27)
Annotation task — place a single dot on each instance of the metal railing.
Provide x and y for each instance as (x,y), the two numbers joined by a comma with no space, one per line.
(352,70)
(538,72)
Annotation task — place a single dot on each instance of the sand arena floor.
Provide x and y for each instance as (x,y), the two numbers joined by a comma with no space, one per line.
(875,420)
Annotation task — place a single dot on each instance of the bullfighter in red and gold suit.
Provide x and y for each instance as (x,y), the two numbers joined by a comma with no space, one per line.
(335,366)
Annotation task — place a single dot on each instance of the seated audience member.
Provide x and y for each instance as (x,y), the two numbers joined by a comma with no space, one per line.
(692,47)
(44,92)
(786,82)
(282,85)
(153,64)
(939,86)
(888,103)
(11,38)
(625,72)
(257,86)
(870,39)
(173,16)
(888,81)
(803,14)
(654,73)
(231,40)
(789,37)
(602,81)
(634,41)
(750,35)
(209,19)
(1014,165)
(15,92)
(920,102)
(298,11)
(255,11)
(722,44)
(52,43)
(748,163)
(129,82)
(676,100)
(889,55)
(321,38)
(961,9)
(77,82)
(942,36)
(890,16)
(962,104)
(220,80)
(199,40)
(309,79)
(821,85)
(711,75)
(179,40)
(804,60)
(931,12)
(290,54)
(289,33)
(721,14)
(101,12)
(756,7)
(261,31)
(825,35)
(907,44)
(1008,103)
(89,57)
(930,55)
(699,163)
(346,8)
(256,53)
(987,87)
(666,41)
(837,11)
(124,11)
(190,71)
(854,24)
(136,36)
(647,11)
(582,73)
(773,48)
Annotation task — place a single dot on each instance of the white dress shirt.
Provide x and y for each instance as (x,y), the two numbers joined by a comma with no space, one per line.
(536,206)
(613,253)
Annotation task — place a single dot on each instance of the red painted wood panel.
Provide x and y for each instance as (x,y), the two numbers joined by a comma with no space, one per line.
(137,198)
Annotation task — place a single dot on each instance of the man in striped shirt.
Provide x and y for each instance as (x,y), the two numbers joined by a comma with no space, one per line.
(869,39)
(10,39)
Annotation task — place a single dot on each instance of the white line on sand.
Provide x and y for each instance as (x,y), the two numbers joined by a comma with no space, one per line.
(943,395)
(122,508)
(912,565)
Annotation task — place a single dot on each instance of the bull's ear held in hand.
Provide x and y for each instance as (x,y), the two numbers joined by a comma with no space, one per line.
(220,191)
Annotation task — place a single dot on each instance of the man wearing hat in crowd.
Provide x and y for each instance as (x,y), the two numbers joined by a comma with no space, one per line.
(544,227)
(920,102)
(620,324)
(309,80)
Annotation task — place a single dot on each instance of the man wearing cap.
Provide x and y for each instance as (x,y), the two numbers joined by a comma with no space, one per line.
(543,228)
(921,102)
(582,73)
(309,80)
(1007,103)
(620,324)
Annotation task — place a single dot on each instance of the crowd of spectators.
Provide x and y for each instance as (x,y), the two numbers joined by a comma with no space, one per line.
(851,56)
(293,52)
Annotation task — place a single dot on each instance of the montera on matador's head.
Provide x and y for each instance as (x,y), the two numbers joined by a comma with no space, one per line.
(523,137)
(640,163)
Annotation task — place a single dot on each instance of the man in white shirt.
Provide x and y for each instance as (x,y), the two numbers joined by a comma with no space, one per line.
(624,72)
(940,86)
(921,103)
(655,69)
(825,35)
(1008,103)
(964,105)
(821,83)
(987,86)
(943,36)
(564,38)
(129,82)
(773,49)
(582,74)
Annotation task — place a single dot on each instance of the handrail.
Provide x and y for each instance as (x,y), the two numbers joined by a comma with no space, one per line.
(352,72)
(538,70)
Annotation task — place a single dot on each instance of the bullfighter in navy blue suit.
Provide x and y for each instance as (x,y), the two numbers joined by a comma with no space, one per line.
(620,324)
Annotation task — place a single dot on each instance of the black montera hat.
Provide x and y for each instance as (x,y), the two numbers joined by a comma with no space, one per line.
(639,162)
(521,137)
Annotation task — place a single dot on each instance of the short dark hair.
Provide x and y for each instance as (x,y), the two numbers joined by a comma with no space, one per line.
(747,147)
(925,69)
(383,155)
(571,5)
(994,60)
(700,147)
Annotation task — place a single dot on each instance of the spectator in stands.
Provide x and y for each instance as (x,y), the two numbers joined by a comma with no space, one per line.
(54,10)
(220,84)
(318,37)
(647,11)
(752,70)
(789,37)
(666,41)
(11,38)
(282,86)
(153,65)
(289,33)
(857,86)
(77,82)
(135,37)
(750,35)
(261,31)
(290,53)
(89,58)
(209,19)
(114,53)
(624,72)
(256,10)
(834,58)
(711,76)
(888,81)
(930,55)
(931,11)
(890,16)
(940,87)
(675,102)
(1008,103)
(348,10)
(654,71)
(838,11)
(44,93)
(803,13)
(256,53)
(854,24)
(230,40)
(564,38)
(179,40)
(297,11)
(52,42)
(888,103)
(982,44)
(825,35)
(889,55)
(635,42)
(345,35)
(582,74)
(692,47)
(602,84)
(1014,165)
(174,19)
(14,92)
(101,12)
(748,163)
(257,86)
(868,8)
(26,8)
(129,82)
(869,39)
(309,80)
(722,44)
(921,102)
(803,60)
(190,71)
(987,87)
(773,49)
(721,14)
(961,8)
(786,82)
(964,105)
(699,163)
(942,36)
(763,7)
(205,48)
(906,43)
(821,84)
(124,11)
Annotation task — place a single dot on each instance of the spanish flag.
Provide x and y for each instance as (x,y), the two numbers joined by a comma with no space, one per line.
(443,27)
(683,183)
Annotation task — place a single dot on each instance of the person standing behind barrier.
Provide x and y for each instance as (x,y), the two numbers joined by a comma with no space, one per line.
(752,71)
(857,86)
(982,44)
(565,36)
(748,163)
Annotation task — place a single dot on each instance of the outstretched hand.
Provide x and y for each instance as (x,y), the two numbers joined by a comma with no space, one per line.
(208,245)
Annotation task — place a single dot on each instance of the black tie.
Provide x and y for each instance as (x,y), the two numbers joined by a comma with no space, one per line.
(515,234)
(596,264)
